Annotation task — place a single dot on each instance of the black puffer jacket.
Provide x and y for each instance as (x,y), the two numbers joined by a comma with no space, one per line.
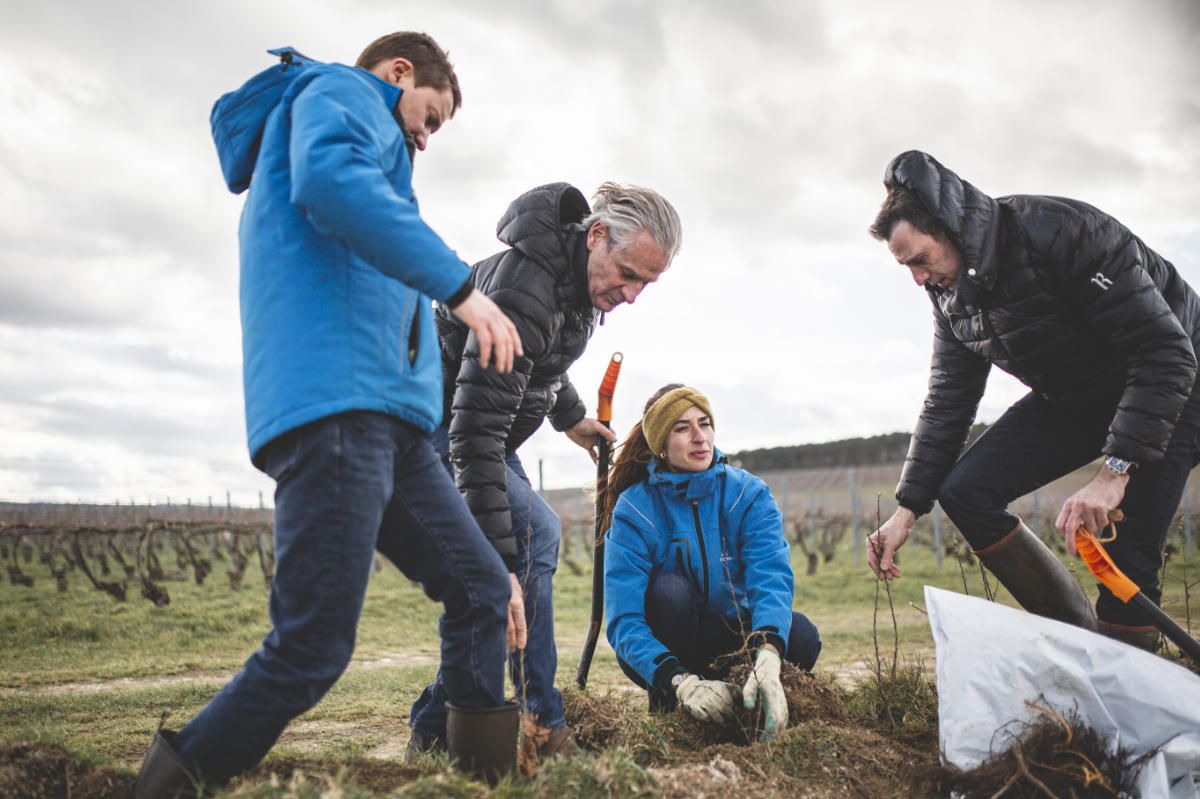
(541,283)
(1061,296)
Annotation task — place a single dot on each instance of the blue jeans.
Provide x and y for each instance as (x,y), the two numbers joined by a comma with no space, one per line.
(538,532)
(1035,442)
(677,617)
(347,485)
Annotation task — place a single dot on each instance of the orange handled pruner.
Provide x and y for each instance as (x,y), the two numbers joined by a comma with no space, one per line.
(1101,565)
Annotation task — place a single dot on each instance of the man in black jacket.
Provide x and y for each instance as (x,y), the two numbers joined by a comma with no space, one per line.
(1100,327)
(566,266)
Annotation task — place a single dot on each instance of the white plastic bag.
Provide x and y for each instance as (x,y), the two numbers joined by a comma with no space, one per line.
(992,658)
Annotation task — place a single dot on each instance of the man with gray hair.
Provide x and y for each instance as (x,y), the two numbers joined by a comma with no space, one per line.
(566,266)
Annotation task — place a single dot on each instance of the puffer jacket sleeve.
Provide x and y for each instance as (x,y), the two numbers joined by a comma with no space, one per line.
(568,408)
(768,567)
(627,568)
(484,406)
(957,378)
(1116,297)
(340,187)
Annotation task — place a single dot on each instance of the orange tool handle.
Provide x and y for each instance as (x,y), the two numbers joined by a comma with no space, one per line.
(1101,565)
(607,387)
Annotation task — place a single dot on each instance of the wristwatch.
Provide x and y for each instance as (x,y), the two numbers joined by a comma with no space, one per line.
(678,679)
(1119,466)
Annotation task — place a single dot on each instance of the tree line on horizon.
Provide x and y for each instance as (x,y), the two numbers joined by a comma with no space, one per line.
(868,451)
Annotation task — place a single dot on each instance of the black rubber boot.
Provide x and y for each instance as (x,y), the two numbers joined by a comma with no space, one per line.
(1141,637)
(1037,579)
(483,742)
(165,774)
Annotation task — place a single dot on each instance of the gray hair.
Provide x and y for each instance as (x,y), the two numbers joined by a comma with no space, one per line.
(626,209)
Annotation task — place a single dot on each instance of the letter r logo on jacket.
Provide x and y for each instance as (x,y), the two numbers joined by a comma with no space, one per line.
(1103,282)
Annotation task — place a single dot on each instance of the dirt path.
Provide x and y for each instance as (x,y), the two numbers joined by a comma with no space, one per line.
(846,673)
(381,661)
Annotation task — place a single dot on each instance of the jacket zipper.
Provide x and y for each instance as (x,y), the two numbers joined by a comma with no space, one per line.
(700,543)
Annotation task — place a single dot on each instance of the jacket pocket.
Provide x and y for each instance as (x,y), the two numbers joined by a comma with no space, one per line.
(683,560)
(410,331)
(414,339)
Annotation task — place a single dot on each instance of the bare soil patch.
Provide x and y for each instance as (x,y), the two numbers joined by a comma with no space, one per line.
(39,771)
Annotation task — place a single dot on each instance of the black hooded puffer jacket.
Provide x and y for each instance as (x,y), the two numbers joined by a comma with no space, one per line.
(541,284)
(1061,296)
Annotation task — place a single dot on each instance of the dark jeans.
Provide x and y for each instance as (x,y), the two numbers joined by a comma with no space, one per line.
(347,485)
(677,618)
(538,532)
(1034,443)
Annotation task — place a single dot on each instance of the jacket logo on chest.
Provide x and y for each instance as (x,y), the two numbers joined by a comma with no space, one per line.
(1103,282)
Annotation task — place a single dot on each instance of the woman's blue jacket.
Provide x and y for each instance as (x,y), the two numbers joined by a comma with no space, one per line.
(719,528)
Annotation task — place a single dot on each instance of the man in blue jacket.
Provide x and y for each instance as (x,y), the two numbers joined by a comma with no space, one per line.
(343,385)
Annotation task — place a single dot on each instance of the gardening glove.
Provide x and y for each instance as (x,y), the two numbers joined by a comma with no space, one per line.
(764,683)
(707,700)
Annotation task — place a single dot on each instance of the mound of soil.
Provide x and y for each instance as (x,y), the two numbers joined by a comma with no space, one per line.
(41,771)
(826,751)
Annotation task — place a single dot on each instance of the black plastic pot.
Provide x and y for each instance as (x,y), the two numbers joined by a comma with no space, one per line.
(483,741)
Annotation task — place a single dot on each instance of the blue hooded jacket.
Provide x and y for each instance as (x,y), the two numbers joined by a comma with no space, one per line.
(337,266)
(719,528)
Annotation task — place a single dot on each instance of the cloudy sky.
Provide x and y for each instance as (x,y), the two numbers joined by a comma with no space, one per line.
(767,124)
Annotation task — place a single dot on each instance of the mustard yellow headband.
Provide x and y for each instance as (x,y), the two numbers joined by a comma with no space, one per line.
(657,421)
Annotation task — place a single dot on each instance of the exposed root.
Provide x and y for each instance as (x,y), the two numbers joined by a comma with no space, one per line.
(1056,756)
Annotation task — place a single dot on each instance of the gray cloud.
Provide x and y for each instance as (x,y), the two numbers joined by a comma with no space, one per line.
(23,305)
(46,475)
(133,428)
(767,123)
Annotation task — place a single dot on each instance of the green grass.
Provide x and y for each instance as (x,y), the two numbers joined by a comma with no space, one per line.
(84,635)
(93,675)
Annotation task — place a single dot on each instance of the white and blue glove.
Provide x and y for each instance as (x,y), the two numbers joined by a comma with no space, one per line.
(707,700)
(764,686)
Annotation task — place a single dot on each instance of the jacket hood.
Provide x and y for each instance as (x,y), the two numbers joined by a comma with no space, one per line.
(537,222)
(971,217)
(239,118)
(687,485)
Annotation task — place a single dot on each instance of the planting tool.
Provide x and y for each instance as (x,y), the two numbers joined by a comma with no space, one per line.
(604,416)
(1101,565)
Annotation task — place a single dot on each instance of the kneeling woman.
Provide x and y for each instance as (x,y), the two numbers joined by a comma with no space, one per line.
(696,567)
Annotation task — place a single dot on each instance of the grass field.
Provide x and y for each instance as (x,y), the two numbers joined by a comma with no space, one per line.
(95,676)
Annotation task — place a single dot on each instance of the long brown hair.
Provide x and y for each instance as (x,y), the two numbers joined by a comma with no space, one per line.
(630,465)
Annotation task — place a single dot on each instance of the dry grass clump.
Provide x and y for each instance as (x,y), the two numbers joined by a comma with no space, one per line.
(1055,755)
(901,704)
(297,773)
(619,720)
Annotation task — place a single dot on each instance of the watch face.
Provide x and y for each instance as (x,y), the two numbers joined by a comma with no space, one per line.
(1118,465)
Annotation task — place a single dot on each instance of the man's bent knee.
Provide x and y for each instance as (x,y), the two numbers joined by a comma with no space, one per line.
(983,520)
